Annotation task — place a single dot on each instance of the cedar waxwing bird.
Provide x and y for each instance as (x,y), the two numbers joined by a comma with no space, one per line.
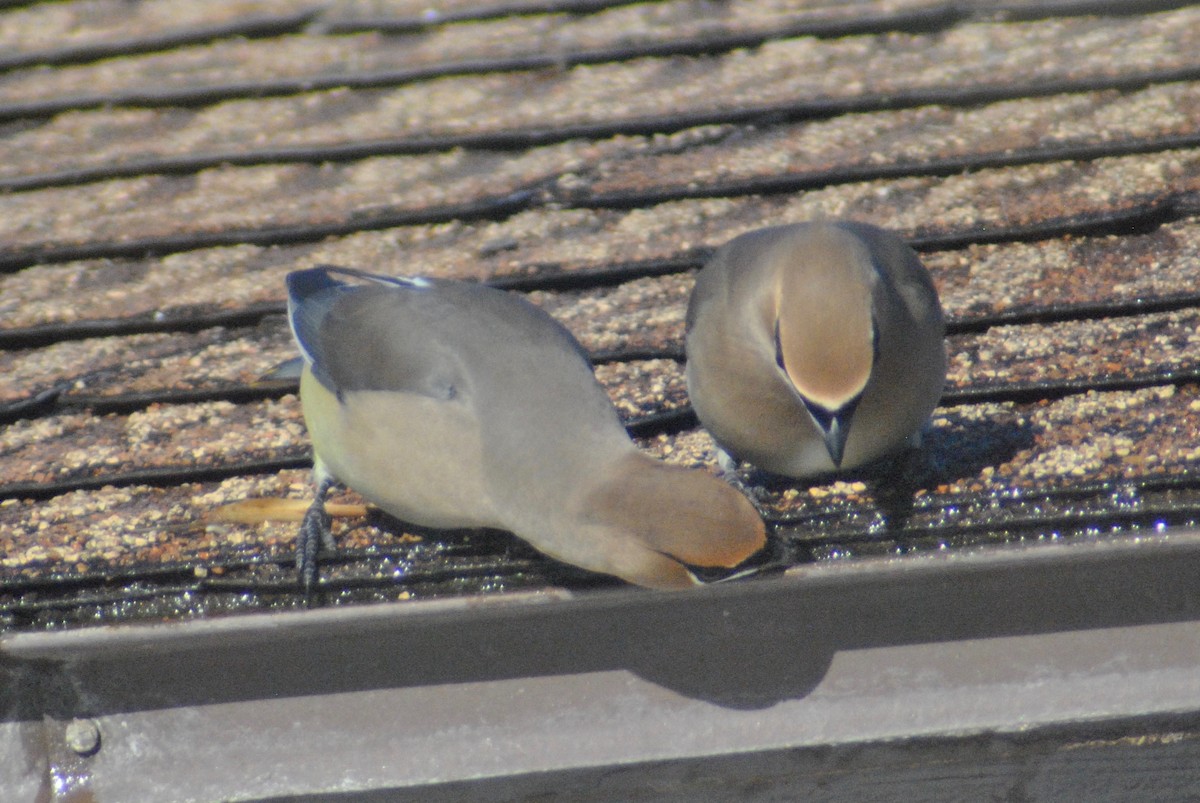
(450,404)
(814,347)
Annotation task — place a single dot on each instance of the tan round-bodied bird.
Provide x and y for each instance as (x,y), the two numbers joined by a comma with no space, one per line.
(450,404)
(814,347)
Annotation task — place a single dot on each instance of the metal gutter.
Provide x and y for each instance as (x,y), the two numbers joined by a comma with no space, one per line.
(1040,670)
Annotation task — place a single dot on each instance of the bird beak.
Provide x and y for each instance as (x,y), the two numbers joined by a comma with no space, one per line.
(835,437)
(834,426)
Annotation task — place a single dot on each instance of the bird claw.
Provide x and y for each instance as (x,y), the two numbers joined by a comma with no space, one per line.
(314,534)
(727,462)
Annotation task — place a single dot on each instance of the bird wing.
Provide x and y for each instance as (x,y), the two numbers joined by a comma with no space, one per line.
(379,335)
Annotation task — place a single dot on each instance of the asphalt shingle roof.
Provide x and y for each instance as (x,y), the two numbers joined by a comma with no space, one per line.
(164,164)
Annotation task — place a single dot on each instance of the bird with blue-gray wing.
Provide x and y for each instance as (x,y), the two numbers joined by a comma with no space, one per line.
(814,347)
(450,404)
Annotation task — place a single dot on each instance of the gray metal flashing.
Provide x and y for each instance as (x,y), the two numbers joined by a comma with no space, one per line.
(632,694)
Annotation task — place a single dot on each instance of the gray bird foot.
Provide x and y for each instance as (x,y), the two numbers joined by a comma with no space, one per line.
(745,484)
(726,462)
(314,534)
